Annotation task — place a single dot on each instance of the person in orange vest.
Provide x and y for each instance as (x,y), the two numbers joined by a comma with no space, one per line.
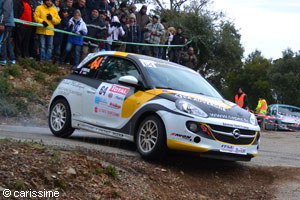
(262,106)
(241,99)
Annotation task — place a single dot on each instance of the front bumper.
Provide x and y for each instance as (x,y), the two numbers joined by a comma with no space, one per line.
(179,137)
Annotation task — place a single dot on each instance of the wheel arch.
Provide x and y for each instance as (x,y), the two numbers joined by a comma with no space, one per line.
(142,117)
(57,98)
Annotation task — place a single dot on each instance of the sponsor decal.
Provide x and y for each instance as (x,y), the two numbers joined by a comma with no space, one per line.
(84,70)
(119,89)
(96,109)
(219,104)
(233,149)
(117,97)
(235,126)
(97,100)
(224,116)
(111,97)
(185,137)
(114,105)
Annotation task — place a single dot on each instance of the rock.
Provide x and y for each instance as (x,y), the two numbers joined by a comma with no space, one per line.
(181,172)
(163,170)
(72,171)
(2,189)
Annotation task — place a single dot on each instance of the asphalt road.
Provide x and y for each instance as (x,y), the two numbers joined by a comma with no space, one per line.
(276,148)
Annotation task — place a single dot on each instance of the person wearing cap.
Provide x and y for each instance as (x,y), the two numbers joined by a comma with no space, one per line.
(142,19)
(100,5)
(96,29)
(164,40)
(134,34)
(262,106)
(78,26)
(102,15)
(153,35)
(175,52)
(122,10)
(46,15)
(124,24)
(132,9)
(58,43)
(241,99)
(69,5)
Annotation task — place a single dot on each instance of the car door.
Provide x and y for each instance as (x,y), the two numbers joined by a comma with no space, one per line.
(87,75)
(105,107)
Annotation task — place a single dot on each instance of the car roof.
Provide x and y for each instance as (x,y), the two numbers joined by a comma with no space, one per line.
(283,105)
(136,57)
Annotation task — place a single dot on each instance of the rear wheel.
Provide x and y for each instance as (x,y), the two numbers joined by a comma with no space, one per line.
(60,119)
(151,138)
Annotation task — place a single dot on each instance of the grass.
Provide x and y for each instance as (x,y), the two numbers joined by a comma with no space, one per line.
(14,70)
(112,171)
(17,94)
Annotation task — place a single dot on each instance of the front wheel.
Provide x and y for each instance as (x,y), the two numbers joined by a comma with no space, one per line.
(60,119)
(151,138)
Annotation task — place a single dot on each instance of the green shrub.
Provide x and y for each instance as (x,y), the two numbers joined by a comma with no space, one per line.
(112,171)
(40,77)
(7,109)
(4,86)
(14,70)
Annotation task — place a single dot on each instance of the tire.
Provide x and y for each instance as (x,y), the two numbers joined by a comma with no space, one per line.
(60,119)
(276,126)
(151,138)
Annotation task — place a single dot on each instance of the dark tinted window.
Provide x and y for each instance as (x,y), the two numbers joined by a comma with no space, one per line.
(115,67)
(91,68)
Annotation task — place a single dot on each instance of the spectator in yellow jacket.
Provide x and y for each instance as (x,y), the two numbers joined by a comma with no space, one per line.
(47,15)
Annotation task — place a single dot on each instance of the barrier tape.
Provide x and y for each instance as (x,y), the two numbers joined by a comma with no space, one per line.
(283,127)
(95,39)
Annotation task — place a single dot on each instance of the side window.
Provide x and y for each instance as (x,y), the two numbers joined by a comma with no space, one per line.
(91,68)
(114,68)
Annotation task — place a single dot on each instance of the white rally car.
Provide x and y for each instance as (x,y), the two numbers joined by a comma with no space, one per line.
(154,103)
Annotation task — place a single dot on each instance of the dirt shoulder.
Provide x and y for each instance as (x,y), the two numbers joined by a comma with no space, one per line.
(95,175)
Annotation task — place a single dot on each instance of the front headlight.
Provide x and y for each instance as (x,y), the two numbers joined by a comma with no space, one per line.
(190,108)
(253,120)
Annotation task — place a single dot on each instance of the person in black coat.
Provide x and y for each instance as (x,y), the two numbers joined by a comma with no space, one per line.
(134,34)
(175,52)
(58,37)
(96,29)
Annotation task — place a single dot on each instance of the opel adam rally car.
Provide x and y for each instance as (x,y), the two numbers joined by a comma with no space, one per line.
(154,103)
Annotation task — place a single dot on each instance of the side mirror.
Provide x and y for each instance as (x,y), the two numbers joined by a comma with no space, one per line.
(131,80)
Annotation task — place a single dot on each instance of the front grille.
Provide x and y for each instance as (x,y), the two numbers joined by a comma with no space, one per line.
(225,134)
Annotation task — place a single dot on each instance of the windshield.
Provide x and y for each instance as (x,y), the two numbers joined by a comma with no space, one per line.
(170,76)
(289,111)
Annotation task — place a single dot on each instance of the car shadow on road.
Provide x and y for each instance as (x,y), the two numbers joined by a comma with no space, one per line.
(179,159)
(116,143)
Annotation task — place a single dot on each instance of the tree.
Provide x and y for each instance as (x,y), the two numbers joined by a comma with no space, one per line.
(252,78)
(285,78)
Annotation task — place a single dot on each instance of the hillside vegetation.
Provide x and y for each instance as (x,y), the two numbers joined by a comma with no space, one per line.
(26,88)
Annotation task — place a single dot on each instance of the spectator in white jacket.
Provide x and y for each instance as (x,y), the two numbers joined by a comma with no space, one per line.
(114,31)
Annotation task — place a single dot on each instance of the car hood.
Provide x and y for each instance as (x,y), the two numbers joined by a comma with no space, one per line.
(214,107)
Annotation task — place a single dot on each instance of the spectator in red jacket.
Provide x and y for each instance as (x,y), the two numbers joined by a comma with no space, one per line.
(23,31)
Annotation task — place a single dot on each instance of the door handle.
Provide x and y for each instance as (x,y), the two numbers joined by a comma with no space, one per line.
(91,91)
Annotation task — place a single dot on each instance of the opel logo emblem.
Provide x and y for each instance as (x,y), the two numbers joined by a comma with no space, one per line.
(236,133)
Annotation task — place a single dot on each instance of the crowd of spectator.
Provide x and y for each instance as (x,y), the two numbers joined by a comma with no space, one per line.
(98,19)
